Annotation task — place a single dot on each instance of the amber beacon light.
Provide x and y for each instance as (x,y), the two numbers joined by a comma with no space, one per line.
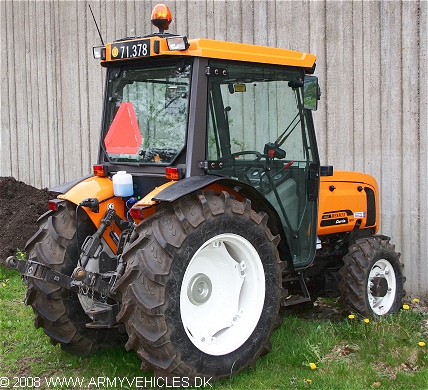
(161,17)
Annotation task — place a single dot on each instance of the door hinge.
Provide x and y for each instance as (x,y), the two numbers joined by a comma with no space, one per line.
(211,165)
(215,72)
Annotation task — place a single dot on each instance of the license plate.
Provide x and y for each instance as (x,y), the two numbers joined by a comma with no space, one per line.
(131,49)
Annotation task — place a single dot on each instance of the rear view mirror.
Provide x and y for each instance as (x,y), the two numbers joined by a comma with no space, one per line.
(311,93)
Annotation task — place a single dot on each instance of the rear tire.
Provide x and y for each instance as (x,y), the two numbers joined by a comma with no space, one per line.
(202,288)
(58,310)
(372,278)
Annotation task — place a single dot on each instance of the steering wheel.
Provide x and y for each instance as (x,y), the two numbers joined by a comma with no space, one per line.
(244,152)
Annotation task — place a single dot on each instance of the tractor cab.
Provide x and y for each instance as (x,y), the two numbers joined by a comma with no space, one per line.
(238,114)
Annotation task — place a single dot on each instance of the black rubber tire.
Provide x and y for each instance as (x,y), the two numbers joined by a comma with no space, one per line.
(58,310)
(358,262)
(156,263)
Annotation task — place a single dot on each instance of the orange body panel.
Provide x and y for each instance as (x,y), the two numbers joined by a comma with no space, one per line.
(102,189)
(147,204)
(228,51)
(345,199)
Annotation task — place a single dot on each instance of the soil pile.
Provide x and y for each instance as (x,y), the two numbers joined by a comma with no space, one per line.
(20,207)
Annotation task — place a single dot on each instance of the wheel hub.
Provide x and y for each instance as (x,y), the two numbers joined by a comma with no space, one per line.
(222,294)
(379,287)
(199,289)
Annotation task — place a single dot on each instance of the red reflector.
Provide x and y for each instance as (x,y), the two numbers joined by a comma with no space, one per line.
(53,205)
(172,173)
(271,153)
(100,170)
(136,212)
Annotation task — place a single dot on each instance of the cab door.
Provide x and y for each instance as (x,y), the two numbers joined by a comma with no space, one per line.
(260,134)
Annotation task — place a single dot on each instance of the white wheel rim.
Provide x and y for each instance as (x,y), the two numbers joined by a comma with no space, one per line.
(222,294)
(381,287)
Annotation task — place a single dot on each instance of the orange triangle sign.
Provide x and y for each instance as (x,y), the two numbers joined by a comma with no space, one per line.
(123,136)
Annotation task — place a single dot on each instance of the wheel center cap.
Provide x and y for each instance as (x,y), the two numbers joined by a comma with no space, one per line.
(199,289)
(379,287)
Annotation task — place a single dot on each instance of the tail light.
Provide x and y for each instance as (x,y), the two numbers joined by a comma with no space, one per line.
(54,204)
(100,170)
(173,173)
(136,213)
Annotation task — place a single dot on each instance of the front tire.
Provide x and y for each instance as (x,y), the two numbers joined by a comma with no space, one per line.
(202,288)
(371,278)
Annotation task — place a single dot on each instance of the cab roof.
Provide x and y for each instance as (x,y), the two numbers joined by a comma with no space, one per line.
(169,45)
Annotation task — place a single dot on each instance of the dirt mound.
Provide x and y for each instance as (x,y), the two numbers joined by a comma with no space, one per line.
(20,207)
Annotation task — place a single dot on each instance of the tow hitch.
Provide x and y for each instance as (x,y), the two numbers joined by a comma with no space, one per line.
(103,304)
(32,269)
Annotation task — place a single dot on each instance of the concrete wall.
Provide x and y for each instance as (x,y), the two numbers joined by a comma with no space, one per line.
(372,63)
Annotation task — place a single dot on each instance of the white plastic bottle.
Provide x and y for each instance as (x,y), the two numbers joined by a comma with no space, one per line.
(122,184)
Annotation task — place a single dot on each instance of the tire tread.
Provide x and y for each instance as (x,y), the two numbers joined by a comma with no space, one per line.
(145,305)
(354,273)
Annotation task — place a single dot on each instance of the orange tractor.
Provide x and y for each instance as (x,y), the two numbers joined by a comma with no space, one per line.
(207,212)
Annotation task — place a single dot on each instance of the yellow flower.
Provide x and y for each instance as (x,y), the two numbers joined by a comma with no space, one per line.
(406,307)
(351,316)
(366,320)
(4,284)
(308,380)
(421,343)
(313,366)
(416,300)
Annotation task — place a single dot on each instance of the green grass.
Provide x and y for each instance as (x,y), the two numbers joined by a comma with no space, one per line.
(348,353)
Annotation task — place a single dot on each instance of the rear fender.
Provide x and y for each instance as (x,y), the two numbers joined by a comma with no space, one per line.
(176,190)
(218,183)
(102,189)
(169,192)
(172,191)
(185,186)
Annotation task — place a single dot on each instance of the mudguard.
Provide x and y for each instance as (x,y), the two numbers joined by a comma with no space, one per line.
(185,186)
(95,187)
(237,188)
